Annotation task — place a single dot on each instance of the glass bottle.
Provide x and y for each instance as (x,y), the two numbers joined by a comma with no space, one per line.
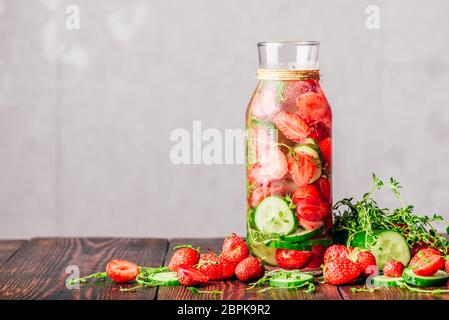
(289,158)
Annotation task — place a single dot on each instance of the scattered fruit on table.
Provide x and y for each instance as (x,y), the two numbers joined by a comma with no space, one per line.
(190,276)
(249,269)
(234,249)
(216,267)
(341,270)
(335,251)
(122,271)
(365,260)
(427,262)
(186,255)
(393,269)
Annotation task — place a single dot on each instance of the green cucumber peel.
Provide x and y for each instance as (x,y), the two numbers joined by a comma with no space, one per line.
(352,217)
(281,274)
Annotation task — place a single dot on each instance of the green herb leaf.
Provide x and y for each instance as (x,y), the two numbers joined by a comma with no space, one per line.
(195,290)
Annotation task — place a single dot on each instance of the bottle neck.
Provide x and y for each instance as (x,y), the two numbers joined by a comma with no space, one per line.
(291,55)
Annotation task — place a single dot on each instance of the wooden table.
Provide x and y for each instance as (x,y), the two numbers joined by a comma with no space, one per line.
(37,269)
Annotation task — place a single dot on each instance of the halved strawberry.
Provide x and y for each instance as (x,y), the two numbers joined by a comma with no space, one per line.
(291,125)
(326,149)
(292,259)
(190,276)
(301,169)
(313,209)
(314,106)
(309,225)
(318,130)
(305,192)
(272,166)
(427,262)
(264,191)
(324,185)
(122,271)
(265,103)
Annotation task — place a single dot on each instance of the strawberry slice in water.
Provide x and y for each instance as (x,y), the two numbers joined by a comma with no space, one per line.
(264,191)
(312,209)
(309,225)
(264,140)
(305,192)
(301,170)
(265,104)
(314,106)
(292,126)
(272,166)
(324,185)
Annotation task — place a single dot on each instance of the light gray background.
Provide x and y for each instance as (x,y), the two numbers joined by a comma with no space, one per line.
(85,116)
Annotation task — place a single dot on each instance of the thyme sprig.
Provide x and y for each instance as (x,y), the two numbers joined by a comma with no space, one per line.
(365,215)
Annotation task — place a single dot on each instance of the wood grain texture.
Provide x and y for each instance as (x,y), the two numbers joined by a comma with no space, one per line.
(234,289)
(8,248)
(38,269)
(388,293)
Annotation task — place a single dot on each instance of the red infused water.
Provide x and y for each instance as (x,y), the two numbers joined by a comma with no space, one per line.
(289,158)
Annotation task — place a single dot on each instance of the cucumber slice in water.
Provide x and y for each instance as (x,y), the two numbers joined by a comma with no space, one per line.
(306,245)
(266,254)
(387,246)
(384,281)
(301,235)
(169,278)
(438,279)
(273,215)
(313,151)
(292,279)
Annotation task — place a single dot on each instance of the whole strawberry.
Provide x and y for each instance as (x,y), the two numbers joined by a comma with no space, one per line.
(234,249)
(365,260)
(185,255)
(340,270)
(335,251)
(292,259)
(393,269)
(190,276)
(215,267)
(447,265)
(249,269)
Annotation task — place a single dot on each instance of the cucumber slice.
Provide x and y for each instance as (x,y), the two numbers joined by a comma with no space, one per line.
(301,235)
(169,278)
(266,254)
(388,245)
(306,245)
(310,141)
(262,124)
(438,279)
(273,215)
(384,281)
(290,280)
(314,152)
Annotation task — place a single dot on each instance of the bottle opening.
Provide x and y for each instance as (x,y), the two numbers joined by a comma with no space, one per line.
(290,55)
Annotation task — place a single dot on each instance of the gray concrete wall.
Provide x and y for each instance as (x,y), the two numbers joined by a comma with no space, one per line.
(85,115)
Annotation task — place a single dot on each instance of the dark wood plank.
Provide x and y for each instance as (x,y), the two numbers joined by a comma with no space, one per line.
(234,289)
(38,269)
(8,248)
(385,293)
